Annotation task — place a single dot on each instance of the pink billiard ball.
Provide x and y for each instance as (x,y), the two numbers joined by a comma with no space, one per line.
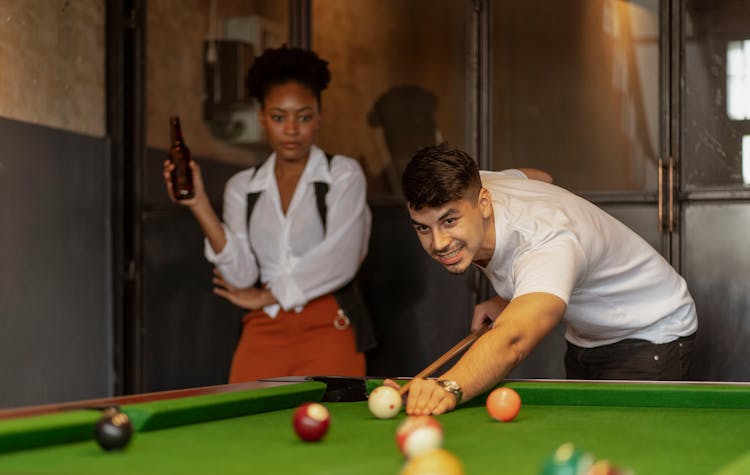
(311,421)
(503,404)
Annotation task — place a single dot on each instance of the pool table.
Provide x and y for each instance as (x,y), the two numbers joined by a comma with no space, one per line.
(651,428)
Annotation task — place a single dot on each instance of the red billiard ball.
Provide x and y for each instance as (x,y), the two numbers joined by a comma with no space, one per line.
(114,430)
(503,404)
(311,421)
(417,434)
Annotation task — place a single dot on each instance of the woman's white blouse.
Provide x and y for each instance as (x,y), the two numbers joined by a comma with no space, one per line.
(291,253)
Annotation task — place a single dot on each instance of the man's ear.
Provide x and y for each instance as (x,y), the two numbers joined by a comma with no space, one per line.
(485,202)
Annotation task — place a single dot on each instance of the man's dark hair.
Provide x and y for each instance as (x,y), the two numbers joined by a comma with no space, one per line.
(438,174)
(283,65)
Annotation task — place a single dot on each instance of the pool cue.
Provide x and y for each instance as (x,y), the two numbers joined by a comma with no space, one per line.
(458,348)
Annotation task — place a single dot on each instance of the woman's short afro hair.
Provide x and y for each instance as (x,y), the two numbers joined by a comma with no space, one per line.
(285,64)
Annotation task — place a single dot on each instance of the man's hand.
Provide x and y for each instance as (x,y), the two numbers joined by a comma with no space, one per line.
(426,397)
(487,310)
(526,320)
(251,298)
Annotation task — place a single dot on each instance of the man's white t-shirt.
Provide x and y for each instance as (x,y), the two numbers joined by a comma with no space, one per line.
(615,284)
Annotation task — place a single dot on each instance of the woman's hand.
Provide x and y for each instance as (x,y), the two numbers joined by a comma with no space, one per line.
(251,298)
(198,188)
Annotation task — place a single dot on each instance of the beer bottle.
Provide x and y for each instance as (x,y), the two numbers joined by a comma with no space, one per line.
(179,154)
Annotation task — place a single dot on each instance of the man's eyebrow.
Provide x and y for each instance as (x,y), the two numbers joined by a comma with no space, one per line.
(441,218)
(449,212)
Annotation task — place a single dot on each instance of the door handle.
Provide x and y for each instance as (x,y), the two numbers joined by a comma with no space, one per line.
(660,195)
(666,219)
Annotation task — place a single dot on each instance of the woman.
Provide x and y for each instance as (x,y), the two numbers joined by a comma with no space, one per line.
(294,233)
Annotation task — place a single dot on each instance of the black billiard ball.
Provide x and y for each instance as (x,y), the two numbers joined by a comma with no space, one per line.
(114,430)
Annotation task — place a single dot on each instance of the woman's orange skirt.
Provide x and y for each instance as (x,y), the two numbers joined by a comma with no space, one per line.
(309,343)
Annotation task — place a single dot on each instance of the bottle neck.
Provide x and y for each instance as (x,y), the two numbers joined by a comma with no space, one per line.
(176,131)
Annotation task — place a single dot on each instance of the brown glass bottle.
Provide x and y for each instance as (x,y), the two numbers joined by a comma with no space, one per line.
(179,154)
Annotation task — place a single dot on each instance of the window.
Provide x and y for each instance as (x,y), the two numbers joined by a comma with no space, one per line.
(738,81)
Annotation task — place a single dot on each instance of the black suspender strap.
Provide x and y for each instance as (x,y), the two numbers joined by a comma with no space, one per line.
(321,190)
(252,198)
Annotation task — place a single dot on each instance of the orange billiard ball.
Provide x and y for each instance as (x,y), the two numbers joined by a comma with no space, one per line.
(503,404)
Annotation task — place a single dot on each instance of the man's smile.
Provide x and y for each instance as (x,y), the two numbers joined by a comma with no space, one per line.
(451,257)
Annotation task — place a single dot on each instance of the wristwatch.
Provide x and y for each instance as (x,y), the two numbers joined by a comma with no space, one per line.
(453,388)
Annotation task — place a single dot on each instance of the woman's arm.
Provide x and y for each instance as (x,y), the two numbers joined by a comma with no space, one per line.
(227,243)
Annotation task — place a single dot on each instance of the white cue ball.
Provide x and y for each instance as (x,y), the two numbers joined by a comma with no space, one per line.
(384,402)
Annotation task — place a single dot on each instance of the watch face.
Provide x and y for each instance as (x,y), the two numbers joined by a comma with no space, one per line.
(452,387)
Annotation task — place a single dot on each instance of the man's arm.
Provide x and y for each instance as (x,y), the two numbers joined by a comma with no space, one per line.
(536,174)
(521,326)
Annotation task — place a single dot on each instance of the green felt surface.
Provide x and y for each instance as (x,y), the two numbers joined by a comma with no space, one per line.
(650,440)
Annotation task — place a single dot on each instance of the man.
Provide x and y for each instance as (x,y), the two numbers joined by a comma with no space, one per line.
(550,256)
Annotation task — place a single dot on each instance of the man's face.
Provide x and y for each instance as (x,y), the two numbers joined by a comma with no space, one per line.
(454,234)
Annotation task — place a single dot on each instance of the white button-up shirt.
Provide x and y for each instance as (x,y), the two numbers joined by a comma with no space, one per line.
(291,253)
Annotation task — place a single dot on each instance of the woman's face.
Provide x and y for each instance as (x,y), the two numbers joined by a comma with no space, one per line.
(291,118)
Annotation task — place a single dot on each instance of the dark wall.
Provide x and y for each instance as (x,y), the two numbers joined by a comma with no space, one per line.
(55,270)
(716,265)
(188,333)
